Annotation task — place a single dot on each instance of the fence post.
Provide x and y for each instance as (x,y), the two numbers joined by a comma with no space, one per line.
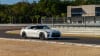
(52,22)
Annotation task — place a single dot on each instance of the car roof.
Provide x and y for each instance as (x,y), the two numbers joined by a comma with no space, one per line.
(40,25)
(37,25)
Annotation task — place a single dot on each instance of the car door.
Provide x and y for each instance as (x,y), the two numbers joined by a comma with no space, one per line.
(31,31)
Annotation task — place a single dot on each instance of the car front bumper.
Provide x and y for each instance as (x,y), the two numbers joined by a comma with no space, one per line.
(54,35)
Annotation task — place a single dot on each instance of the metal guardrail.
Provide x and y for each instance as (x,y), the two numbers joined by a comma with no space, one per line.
(54,25)
(62,25)
(65,28)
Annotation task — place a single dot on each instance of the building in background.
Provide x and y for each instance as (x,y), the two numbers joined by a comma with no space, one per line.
(88,14)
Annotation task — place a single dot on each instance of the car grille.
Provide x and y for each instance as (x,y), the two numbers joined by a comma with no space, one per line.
(55,34)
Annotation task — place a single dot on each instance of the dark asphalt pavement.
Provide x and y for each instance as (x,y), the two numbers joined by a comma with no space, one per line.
(64,39)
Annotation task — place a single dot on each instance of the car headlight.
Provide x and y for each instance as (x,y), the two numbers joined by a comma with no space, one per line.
(48,33)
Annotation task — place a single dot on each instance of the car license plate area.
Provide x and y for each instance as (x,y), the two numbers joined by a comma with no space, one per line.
(55,35)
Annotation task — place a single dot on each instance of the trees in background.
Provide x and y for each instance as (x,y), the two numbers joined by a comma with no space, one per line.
(25,12)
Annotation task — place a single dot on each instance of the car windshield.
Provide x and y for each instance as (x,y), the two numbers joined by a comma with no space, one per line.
(42,27)
(39,27)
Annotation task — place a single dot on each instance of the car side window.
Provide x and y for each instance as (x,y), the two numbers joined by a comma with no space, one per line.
(31,27)
(44,27)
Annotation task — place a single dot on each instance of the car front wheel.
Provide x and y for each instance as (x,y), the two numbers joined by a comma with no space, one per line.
(24,35)
(42,36)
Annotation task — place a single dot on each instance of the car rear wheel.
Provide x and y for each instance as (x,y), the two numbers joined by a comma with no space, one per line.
(42,36)
(24,35)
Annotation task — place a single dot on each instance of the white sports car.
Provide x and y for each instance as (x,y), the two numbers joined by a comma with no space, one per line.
(39,31)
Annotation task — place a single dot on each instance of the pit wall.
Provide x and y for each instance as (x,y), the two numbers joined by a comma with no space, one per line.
(72,29)
(79,30)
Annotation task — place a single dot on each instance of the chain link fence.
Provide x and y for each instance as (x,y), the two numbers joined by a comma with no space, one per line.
(63,21)
(72,21)
(52,20)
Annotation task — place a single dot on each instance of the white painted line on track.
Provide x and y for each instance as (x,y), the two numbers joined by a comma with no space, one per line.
(52,42)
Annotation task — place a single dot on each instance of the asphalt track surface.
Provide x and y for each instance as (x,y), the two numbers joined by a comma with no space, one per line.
(82,40)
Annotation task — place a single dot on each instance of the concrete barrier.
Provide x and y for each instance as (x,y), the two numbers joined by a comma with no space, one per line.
(80,30)
(65,28)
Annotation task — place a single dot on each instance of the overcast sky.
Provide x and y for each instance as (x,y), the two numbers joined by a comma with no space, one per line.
(12,1)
